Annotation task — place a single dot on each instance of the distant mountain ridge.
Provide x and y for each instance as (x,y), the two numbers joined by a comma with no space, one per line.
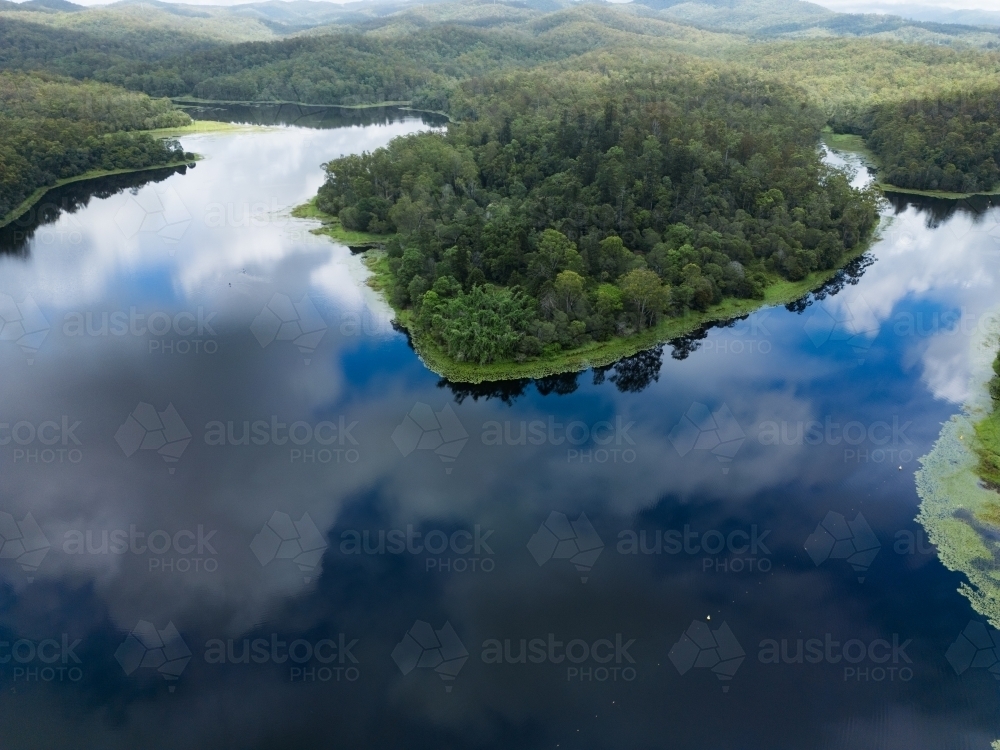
(795,18)
(153,21)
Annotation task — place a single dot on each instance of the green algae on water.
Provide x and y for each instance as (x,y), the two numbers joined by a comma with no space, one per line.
(960,512)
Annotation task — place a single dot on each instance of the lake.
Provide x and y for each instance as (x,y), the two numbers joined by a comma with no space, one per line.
(239,512)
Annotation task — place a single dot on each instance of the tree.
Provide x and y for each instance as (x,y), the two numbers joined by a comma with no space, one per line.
(643,290)
(484,325)
(568,288)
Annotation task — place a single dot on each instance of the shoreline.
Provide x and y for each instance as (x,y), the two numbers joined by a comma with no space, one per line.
(94,174)
(195,101)
(191,101)
(196,127)
(855,144)
(595,354)
(957,509)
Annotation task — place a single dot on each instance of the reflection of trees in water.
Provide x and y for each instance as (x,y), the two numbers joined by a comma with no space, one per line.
(683,346)
(848,275)
(16,236)
(629,375)
(503,390)
(305,116)
(938,211)
(561,385)
(635,373)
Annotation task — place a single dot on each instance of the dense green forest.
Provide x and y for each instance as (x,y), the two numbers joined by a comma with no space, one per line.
(56,128)
(948,143)
(900,96)
(582,207)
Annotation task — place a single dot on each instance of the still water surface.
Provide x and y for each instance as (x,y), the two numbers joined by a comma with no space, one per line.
(240,512)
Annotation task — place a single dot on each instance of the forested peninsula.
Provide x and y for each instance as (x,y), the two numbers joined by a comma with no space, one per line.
(568,219)
(56,129)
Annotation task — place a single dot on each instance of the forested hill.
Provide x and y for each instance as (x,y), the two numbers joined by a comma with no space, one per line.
(55,128)
(575,207)
(795,18)
(396,51)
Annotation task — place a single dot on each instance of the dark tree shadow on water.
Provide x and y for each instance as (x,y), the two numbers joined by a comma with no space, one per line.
(849,275)
(16,237)
(938,211)
(561,385)
(306,115)
(628,375)
(506,391)
(635,373)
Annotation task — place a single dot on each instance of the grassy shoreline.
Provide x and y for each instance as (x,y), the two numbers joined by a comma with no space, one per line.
(203,126)
(93,174)
(331,227)
(855,144)
(196,127)
(595,354)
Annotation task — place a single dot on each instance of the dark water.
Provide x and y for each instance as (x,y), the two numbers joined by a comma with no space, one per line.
(257,521)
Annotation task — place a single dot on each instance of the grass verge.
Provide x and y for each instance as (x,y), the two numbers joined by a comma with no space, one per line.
(202,126)
(332,228)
